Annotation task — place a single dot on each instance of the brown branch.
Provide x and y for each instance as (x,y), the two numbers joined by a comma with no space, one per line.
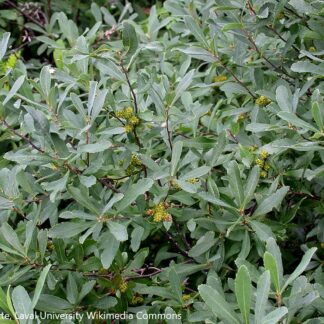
(168,130)
(23,137)
(233,75)
(25,14)
(178,248)
(275,67)
(129,85)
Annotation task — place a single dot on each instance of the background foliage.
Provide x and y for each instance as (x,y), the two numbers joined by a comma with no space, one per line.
(163,158)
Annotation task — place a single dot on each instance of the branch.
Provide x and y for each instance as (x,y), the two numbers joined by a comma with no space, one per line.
(25,14)
(23,137)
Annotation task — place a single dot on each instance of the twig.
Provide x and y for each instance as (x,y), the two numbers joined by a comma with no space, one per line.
(234,138)
(25,14)
(168,130)
(129,85)
(178,248)
(234,76)
(23,137)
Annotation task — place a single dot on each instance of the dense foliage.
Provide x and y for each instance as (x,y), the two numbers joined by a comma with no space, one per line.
(162,158)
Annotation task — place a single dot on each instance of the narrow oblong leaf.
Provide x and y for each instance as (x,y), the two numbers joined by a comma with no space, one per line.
(243,292)
(218,305)
(130,40)
(301,267)
(40,285)
(251,185)
(68,229)
(16,86)
(175,284)
(271,265)
(176,154)
(4,44)
(235,183)
(275,316)
(273,201)
(133,192)
(262,294)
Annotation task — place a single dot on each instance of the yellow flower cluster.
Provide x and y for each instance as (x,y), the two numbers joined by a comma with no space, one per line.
(11,62)
(261,162)
(220,78)
(159,213)
(312,49)
(242,117)
(135,162)
(137,300)
(174,184)
(123,286)
(192,180)
(252,148)
(186,297)
(262,101)
(128,115)
(125,113)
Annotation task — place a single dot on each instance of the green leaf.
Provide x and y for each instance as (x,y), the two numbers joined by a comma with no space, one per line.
(243,292)
(271,265)
(273,201)
(98,103)
(12,238)
(40,285)
(175,284)
(196,173)
(83,200)
(274,249)
(301,267)
(72,289)
(109,253)
(284,98)
(45,81)
(176,154)
(130,40)
(6,203)
(183,86)
(92,95)
(22,304)
(112,201)
(50,303)
(133,192)
(251,185)
(196,30)
(3,304)
(218,305)
(307,67)
(235,183)
(99,146)
(118,230)
(318,116)
(16,86)
(203,245)
(232,26)
(68,229)
(262,294)
(57,186)
(293,119)
(275,316)
(4,44)
(111,69)
(136,236)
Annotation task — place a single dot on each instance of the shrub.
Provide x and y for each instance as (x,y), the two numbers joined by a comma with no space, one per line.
(166,165)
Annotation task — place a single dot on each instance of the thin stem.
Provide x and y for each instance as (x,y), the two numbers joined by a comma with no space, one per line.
(129,85)
(25,14)
(234,76)
(23,137)
(168,130)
